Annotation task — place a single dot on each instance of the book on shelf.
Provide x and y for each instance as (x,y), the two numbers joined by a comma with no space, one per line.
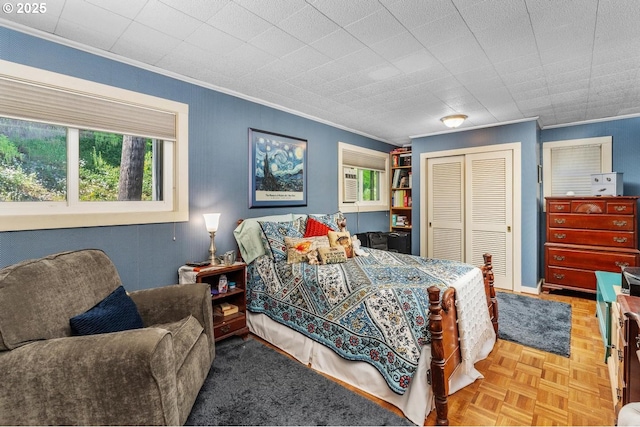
(225,309)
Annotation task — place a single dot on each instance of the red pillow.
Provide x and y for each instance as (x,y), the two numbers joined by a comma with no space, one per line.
(316,228)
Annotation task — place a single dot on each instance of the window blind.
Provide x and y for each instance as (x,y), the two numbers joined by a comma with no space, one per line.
(45,103)
(362,160)
(571,169)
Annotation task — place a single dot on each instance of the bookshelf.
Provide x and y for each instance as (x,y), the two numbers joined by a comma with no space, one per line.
(401,183)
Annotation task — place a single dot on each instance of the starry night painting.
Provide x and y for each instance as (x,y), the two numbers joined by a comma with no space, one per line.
(278,167)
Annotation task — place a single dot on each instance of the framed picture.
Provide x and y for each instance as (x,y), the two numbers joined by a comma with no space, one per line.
(277,170)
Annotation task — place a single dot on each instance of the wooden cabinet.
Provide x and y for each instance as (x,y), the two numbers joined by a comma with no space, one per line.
(628,372)
(585,234)
(401,197)
(236,323)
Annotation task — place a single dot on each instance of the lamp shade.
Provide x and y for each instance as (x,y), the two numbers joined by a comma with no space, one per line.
(453,121)
(211,221)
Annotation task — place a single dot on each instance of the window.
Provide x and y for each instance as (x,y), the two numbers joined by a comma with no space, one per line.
(568,165)
(76,153)
(362,179)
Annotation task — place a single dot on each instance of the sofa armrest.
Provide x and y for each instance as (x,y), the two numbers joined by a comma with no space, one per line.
(175,302)
(121,378)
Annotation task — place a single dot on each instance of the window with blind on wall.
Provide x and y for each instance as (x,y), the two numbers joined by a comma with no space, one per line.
(362,179)
(568,165)
(76,153)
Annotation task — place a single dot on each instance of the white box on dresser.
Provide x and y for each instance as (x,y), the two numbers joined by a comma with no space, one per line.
(606,184)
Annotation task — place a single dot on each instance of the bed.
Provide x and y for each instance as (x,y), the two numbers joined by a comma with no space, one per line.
(405,329)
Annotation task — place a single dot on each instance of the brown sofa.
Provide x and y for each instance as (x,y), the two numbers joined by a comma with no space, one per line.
(145,376)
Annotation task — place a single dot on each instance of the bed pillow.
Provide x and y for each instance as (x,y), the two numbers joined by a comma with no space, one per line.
(275,233)
(117,312)
(330,220)
(332,255)
(316,228)
(341,238)
(251,240)
(305,249)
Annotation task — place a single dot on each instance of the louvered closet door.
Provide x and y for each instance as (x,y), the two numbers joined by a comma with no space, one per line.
(489,212)
(445,211)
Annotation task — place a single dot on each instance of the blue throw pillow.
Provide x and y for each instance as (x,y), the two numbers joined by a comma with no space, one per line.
(117,312)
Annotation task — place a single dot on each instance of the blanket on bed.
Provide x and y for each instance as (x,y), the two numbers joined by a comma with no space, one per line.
(373,309)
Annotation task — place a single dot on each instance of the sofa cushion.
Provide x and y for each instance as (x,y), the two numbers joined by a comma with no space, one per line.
(184,333)
(39,296)
(117,312)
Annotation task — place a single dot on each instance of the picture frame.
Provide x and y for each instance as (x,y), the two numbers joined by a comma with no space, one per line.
(277,170)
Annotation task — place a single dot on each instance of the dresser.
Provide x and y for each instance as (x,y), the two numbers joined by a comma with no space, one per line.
(585,234)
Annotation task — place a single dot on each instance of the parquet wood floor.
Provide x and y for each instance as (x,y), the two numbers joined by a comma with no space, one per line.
(525,386)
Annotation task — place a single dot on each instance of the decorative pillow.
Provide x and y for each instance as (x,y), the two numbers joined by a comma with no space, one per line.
(117,312)
(316,228)
(330,220)
(341,238)
(332,255)
(305,249)
(275,232)
(300,224)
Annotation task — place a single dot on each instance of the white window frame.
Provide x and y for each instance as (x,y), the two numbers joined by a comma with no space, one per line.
(71,213)
(606,157)
(363,206)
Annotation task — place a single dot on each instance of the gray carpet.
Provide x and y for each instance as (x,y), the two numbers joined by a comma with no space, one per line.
(533,322)
(251,384)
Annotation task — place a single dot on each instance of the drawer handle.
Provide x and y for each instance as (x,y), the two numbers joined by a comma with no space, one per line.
(560,207)
(620,208)
(558,276)
(620,355)
(560,235)
(622,264)
(225,329)
(560,220)
(619,223)
(619,393)
(620,239)
(558,257)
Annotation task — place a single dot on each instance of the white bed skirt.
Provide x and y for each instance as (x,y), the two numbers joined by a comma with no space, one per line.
(415,403)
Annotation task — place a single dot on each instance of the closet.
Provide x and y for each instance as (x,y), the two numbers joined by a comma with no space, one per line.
(469,200)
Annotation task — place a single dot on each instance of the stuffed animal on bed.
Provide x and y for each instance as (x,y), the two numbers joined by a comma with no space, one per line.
(355,242)
(312,257)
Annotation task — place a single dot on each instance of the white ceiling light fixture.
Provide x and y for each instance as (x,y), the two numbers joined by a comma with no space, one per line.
(453,121)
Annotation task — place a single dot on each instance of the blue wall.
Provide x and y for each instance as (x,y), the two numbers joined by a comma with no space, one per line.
(527,134)
(149,255)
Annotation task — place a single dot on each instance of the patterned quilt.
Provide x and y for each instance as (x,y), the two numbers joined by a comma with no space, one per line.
(373,309)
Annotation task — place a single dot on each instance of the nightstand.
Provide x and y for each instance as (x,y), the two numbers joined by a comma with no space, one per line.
(232,324)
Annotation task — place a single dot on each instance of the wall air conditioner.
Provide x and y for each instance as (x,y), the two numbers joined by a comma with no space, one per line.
(350,190)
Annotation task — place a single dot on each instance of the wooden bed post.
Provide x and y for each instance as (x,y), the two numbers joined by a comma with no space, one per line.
(439,382)
(492,301)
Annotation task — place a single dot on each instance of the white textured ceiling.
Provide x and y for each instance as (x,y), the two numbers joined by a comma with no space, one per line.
(385,68)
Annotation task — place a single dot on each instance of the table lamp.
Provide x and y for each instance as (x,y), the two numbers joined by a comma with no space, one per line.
(211,222)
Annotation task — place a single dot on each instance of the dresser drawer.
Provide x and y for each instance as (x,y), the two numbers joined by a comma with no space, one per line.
(622,207)
(571,277)
(613,239)
(590,260)
(593,222)
(559,206)
(589,206)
